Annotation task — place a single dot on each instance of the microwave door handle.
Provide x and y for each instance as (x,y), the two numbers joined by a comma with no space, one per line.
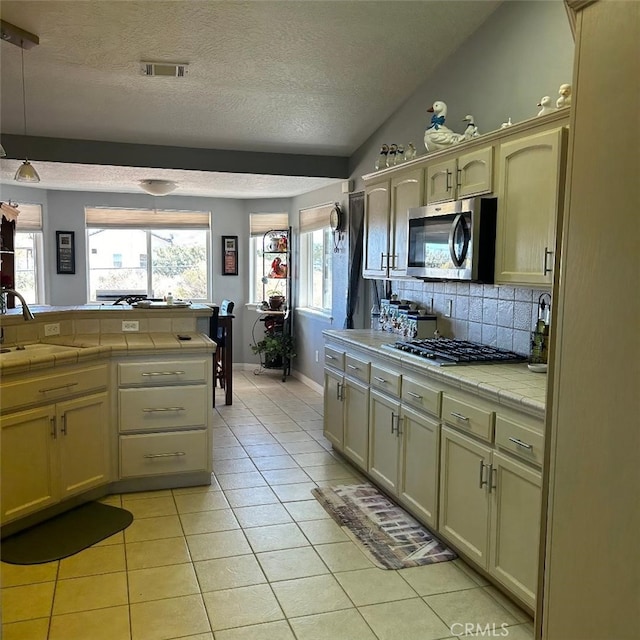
(457,260)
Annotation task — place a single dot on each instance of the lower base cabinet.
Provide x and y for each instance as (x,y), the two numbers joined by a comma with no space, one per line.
(384,413)
(356,422)
(490,510)
(333,425)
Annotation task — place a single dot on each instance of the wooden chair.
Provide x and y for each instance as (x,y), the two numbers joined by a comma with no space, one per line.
(219,337)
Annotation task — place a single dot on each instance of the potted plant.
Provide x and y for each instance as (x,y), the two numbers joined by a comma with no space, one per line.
(275,349)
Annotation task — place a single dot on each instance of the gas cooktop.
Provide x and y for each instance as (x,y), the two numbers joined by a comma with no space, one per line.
(447,352)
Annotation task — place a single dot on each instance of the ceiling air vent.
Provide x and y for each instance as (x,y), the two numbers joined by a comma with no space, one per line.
(164,69)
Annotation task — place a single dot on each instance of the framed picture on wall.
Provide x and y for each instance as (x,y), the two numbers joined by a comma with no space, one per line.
(229,255)
(65,252)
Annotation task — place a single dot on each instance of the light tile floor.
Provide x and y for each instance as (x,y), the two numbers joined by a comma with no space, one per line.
(252,557)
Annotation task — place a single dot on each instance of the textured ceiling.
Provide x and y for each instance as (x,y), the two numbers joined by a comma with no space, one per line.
(303,77)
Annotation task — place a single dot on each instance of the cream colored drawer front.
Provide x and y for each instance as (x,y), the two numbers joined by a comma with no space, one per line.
(356,368)
(163,408)
(162,453)
(520,440)
(468,417)
(420,396)
(166,372)
(53,387)
(385,380)
(334,358)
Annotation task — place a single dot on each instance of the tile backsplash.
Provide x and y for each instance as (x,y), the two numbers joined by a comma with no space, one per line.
(499,316)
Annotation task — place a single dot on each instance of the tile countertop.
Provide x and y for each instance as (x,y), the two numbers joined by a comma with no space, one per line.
(82,348)
(512,385)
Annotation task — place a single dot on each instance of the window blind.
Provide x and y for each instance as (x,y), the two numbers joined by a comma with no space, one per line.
(315,218)
(29,217)
(104,218)
(260,223)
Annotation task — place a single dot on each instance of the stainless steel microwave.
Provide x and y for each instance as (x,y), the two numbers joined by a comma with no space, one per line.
(453,240)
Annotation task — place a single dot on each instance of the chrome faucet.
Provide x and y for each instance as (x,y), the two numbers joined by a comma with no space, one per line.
(26,312)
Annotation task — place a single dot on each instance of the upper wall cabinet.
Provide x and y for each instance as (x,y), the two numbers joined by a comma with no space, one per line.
(530,193)
(467,175)
(376,230)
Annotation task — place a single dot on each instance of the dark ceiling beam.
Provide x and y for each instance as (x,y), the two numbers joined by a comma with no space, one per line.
(185,158)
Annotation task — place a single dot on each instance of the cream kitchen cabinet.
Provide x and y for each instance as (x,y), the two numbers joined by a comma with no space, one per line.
(467,175)
(333,419)
(530,194)
(57,450)
(387,224)
(384,416)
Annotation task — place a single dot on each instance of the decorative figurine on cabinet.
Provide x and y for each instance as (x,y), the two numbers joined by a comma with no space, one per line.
(411,152)
(438,136)
(381,162)
(565,96)
(400,156)
(547,106)
(391,158)
(472,130)
(506,124)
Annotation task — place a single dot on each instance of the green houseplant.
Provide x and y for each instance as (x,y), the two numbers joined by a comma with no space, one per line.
(274,349)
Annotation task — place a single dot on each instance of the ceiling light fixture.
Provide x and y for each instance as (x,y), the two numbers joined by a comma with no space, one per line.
(26,171)
(158,187)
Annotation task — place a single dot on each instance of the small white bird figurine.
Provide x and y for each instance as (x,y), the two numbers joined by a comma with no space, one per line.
(411,152)
(506,124)
(437,136)
(381,162)
(547,106)
(565,96)
(471,131)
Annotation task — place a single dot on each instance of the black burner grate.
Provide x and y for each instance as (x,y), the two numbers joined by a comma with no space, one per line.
(457,351)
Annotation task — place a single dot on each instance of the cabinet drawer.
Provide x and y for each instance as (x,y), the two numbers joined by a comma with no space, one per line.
(356,368)
(53,387)
(468,416)
(385,380)
(162,453)
(334,358)
(420,396)
(520,440)
(163,372)
(163,408)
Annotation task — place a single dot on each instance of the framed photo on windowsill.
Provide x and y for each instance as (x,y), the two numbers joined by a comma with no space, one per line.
(229,255)
(65,252)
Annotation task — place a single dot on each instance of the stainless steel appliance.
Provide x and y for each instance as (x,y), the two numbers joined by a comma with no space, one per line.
(447,352)
(453,240)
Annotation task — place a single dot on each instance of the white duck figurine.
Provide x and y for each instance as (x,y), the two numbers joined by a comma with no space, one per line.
(437,136)
(547,106)
(472,130)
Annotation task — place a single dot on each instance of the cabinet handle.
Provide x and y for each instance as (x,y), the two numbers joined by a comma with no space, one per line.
(340,391)
(545,269)
(398,432)
(162,373)
(328,357)
(448,183)
(482,480)
(54,430)
(353,366)
(63,424)
(382,262)
(414,395)
(394,263)
(393,417)
(153,409)
(62,386)
(521,444)
(459,178)
(164,455)
(380,379)
(459,416)
(491,485)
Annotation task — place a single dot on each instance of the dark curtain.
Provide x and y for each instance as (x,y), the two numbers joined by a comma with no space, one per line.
(356,232)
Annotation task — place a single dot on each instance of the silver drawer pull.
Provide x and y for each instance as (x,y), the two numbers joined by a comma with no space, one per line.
(352,366)
(459,416)
(153,409)
(521,444)
(414,395)
(163,373)
(62,386)
(164,455)
(328,357)
(380,379)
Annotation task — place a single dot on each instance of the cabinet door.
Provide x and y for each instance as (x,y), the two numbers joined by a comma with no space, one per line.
(475,173)
(356,422)
(441,180)
(333,426)
(406,193)
(83,443)
(515,526)
(530,190)
(28,462)
(376,231)
(464,504)
(419,465)
(383,440)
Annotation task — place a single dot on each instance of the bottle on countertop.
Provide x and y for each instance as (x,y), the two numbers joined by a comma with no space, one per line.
(169,298)
(375,317)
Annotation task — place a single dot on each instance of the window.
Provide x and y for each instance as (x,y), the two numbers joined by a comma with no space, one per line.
(158,252)
(259,224)
(316,251)
(29,261)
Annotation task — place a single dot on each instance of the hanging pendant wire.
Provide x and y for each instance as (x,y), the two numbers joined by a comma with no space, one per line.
(26,171)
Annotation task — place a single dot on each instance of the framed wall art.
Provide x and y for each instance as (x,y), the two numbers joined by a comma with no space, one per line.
(65,252)
(229,255)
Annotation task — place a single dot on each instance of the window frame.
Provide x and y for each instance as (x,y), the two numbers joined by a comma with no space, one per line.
(307,271)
